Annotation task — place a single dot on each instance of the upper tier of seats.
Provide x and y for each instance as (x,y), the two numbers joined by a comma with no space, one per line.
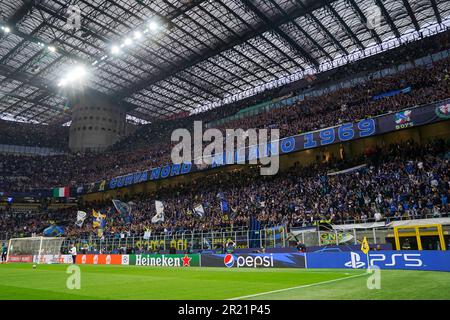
(151,147)
(34,135)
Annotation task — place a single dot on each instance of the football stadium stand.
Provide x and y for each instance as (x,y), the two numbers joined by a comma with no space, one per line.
(58,164)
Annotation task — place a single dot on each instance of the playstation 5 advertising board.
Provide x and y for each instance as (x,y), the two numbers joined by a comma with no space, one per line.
(404,260)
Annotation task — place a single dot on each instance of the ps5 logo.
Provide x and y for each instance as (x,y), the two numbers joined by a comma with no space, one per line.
(355,261)
(380,259)
(410,259)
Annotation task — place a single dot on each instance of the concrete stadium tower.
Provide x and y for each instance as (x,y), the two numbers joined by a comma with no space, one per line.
(97,123)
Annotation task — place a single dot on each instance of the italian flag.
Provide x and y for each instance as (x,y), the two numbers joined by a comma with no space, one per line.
(61,192)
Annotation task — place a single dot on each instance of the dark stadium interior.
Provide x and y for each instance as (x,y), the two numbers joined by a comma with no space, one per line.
(227,63)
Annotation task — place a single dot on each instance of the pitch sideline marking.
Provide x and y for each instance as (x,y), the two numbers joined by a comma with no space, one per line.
(297,287)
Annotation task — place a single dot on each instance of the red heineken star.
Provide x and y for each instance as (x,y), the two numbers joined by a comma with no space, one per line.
(186,261)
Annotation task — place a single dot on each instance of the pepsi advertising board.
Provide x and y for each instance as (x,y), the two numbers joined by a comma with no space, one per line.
(254,260)
(402,260)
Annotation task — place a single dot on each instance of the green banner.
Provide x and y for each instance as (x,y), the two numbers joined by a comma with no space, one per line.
(165,260)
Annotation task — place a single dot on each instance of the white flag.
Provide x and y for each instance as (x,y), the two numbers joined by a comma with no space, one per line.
(199,210)
(158,217)
(159,212)
(159,207)
(147,235)
(81,216)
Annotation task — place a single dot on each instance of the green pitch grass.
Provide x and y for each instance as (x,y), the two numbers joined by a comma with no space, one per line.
(21,281)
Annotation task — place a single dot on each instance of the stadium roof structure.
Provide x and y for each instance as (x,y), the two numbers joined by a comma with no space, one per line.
(160,58)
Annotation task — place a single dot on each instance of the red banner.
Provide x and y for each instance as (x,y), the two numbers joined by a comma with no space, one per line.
(99,259)
(13,258)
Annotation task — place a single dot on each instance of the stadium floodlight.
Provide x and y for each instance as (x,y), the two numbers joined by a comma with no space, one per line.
(6,29)
(115,49)
(137,35)
(62,82)
(51,49)
(78,72)
(153,25)
(128,42)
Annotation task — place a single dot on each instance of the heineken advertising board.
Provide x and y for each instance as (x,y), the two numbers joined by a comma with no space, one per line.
(165,260)
(150,260)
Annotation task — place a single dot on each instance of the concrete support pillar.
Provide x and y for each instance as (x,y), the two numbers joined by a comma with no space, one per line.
(96,124)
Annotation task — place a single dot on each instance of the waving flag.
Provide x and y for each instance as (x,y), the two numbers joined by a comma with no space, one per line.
(233,213)
(147,233)
(159,217)
(60,192)
(224,206)
(199,211)
(365,246)
(96,221)
(81,216)
(103,222)
(99,221)
(53,231)
(124,209)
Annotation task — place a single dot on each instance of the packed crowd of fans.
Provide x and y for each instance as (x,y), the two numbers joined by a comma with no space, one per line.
(34,135)
(150,146)
(398,182)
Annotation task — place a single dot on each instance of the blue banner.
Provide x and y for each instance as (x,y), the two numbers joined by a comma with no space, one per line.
(53,231)
(402,260)
(391,93)
(224,206)
(382,124)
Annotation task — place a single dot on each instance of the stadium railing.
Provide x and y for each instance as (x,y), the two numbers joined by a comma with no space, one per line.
(383,219)
(274,237)
(31,151)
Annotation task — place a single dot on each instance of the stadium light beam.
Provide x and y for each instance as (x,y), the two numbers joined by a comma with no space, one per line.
(115,49)
(154,26)
(137,35)
(78,73)
(62,83)
(128,42)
